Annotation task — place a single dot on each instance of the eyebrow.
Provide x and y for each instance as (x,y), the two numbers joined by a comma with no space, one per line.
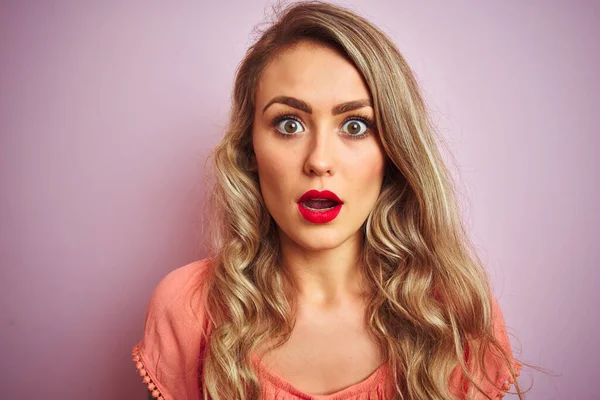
(303,106)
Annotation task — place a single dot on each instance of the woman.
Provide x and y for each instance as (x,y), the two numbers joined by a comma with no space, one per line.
(340,269)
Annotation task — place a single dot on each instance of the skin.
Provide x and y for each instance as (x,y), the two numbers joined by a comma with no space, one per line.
(330,348)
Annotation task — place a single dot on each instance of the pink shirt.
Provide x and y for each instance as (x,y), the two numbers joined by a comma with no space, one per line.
(168,356)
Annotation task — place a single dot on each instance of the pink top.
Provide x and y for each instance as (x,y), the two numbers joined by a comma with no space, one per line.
(168,355)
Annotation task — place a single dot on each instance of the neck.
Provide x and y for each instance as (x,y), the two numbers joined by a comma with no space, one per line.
(324,277)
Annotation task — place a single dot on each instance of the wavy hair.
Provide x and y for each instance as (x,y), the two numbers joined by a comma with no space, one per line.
(430,300)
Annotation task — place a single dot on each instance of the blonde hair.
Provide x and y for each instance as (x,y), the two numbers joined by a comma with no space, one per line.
(429,298)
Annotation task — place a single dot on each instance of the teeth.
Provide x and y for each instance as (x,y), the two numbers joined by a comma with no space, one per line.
(319,209)
(319,204)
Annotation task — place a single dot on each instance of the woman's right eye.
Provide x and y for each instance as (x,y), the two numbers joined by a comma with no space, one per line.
(288,126)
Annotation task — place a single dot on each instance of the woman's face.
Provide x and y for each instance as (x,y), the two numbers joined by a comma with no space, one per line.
(304,140)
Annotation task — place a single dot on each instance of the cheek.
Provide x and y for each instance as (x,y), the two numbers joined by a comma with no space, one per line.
(271,172)
(275,183)
(371,166)
(274,170)
(368,178)
(277,163)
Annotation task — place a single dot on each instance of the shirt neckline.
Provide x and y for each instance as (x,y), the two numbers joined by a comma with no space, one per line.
(366,384)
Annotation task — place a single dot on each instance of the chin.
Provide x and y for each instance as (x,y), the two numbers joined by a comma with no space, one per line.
(318,241)
(320,245)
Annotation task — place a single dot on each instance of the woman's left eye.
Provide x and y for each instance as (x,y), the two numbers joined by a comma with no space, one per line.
(355,127)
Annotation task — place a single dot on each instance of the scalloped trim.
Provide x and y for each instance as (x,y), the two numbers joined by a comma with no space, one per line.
(507,382)
(144,374)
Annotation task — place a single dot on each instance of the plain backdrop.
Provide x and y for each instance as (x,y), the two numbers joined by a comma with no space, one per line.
(109,108)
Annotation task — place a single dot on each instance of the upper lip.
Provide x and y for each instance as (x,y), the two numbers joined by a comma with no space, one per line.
(315,194)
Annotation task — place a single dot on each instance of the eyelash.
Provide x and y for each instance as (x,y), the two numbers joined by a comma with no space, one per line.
(283,116)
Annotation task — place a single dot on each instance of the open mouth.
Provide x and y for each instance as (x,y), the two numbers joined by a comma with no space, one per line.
(319,207)
(319,204)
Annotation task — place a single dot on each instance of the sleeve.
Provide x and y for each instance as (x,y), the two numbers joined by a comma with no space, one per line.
(168,355)
(500,379)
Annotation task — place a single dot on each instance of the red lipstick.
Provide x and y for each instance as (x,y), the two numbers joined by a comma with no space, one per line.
(319,207)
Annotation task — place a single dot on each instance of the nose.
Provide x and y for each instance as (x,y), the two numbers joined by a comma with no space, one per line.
(321,154)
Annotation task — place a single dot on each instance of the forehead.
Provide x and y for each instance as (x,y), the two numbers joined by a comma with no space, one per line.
(314,73)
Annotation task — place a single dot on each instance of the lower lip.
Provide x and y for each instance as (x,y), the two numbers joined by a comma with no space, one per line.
(319,216)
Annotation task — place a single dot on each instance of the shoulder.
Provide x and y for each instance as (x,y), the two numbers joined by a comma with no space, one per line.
(183,277)
(498,370)
(180,293)
(175,330)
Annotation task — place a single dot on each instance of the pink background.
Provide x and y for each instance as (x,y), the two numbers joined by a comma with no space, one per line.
(108,108)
